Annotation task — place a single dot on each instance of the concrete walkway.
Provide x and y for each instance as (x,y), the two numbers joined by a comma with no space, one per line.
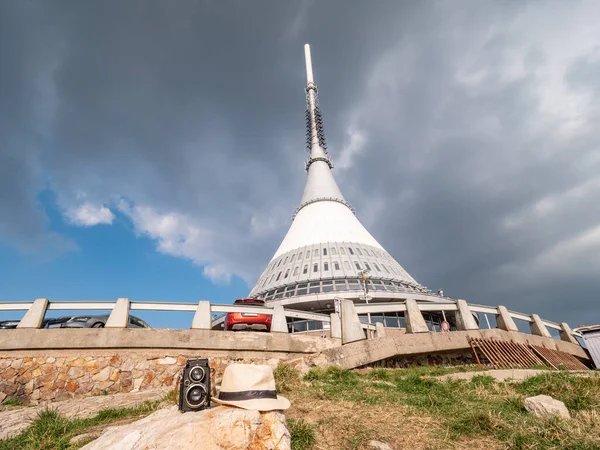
(13,420)
(505,374)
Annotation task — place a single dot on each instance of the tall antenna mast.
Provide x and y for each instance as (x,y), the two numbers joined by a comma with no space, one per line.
(315,136)
(309,72)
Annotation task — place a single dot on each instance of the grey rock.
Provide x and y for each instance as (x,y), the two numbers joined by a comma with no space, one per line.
(376,445)
(546,406)
(215,428)
(82,437)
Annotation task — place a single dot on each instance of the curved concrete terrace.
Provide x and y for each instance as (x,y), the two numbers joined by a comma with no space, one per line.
(365,352)
(348,345)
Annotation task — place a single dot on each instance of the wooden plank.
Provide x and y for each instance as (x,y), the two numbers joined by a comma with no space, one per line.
(487,354)
(474,351)
(536,350)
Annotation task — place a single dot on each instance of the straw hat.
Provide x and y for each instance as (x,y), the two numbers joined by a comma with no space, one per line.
(250,386)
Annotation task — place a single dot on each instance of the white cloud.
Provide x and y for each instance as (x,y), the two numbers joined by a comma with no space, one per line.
(88,215)
(179,235)
(354,145)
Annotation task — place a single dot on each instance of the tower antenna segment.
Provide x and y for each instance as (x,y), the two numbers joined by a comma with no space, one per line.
(315,135)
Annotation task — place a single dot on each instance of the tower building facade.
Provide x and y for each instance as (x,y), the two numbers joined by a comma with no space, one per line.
(327,253)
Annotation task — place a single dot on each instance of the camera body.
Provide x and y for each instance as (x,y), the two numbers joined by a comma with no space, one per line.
(194,389)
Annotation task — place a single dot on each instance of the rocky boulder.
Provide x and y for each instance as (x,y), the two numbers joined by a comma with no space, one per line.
(546,406)
(222,428)
(376,445)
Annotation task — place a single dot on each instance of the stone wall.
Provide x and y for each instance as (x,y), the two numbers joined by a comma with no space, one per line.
(435,359)
(38,379)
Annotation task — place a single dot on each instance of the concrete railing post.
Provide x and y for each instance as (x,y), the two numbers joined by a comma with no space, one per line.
(379,330)
(415,323)
(202,316)
(538,327)
(278,321)
(566,334)
(335,326)
(35,316)
(464,319)
(119,317)
(504,321)
(351,329)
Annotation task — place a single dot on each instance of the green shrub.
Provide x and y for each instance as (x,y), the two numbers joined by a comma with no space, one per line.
(483,380)
(286,377)
(302,433)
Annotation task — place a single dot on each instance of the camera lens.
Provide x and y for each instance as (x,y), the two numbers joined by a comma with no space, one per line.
(197,374)
(195,396)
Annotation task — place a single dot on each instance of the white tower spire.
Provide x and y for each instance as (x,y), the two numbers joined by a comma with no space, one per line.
(309,72)
(326,243)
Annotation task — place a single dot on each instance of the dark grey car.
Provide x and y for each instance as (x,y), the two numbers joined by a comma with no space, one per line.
(8,324)
(90,322)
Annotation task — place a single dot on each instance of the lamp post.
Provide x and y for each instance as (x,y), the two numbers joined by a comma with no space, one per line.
(365,275)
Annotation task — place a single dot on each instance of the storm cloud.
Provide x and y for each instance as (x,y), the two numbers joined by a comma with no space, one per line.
(464,133)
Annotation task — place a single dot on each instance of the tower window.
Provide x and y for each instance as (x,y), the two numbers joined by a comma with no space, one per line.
(357,265)
(350,251)
(366,252)
(377,267)
(299,256)
(278,264)
(358,251)
(305,270)
(346,265)
(278,276)
(307,254)
(325,267)
(336,265)
(385,268)
(342,251)
(315,267)
(285,262)
(287,272)
(324,252)
(296,270)
(293,257)
(367,266)
(333,251)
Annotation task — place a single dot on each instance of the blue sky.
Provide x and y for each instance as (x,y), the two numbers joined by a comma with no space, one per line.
(108,262)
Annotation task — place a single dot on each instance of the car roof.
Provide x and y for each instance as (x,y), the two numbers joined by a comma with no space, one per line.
(249,300)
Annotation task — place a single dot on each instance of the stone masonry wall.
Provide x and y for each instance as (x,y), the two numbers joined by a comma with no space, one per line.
(437,359)
(40,379)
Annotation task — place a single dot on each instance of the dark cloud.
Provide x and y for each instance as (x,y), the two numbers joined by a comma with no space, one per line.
(452,123)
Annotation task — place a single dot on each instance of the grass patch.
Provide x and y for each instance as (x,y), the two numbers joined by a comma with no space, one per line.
(427,371)
(13,402)
(286,378)
(577,393)
(479,413)
(50,430)
(303,434)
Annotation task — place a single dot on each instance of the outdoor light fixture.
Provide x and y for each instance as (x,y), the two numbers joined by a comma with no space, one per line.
(194,389)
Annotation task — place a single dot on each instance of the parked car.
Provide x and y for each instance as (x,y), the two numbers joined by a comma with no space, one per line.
(90,322)
(236,321)
(7,324)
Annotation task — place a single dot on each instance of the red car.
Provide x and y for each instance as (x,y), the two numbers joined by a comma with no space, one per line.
(236,321)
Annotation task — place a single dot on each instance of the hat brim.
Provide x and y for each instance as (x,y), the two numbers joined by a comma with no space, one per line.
(260,404)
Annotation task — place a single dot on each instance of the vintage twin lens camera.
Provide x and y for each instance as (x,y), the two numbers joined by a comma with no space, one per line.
(194,389)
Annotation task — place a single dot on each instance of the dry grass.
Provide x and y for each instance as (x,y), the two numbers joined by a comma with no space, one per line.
(409,411)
